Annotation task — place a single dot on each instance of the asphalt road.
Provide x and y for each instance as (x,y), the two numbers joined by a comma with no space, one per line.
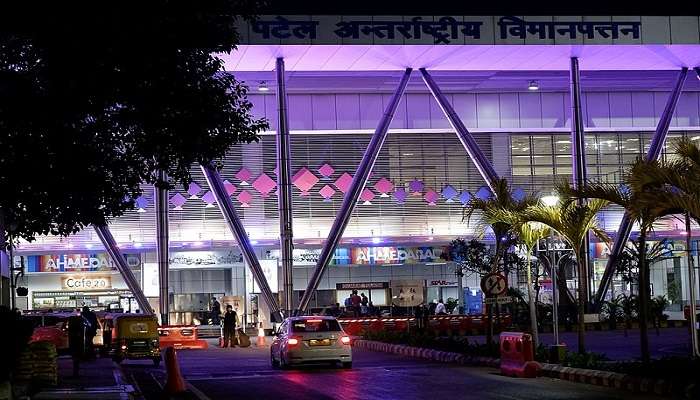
(246,374)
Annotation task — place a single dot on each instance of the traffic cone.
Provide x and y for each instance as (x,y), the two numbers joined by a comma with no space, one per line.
(261,338)
(174,383)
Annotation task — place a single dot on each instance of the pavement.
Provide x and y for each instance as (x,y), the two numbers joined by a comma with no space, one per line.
(245,373)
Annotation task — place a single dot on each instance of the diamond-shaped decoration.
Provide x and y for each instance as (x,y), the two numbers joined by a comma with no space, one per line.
(449,192)
(304,180)
(244,176)
(518,194)
(367,196)
(141,202)
(244,197)
(209,198)
(431,197)
(465,197)
(384,186)
(264,184)
(483,193)
(400,195)
(326,192)
(230,187)
(416,186)
(326,170)
(194,190)
(178,201)
(343,183)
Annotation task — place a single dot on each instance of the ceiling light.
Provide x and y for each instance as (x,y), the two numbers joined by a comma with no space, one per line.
(533,86)
(262,87)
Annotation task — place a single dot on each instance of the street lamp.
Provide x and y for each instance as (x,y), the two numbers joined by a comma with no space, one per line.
(551,201)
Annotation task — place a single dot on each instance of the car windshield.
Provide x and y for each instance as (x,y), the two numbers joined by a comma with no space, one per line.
(315,325)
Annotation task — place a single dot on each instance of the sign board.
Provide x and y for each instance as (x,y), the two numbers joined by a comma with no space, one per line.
(498,300)
(198,259)
(361,285)
(460,30)
(494,284)
(309,257)
(442,283)
(77,262)
(395,255)
(86,282)
(555,244)
(407,293)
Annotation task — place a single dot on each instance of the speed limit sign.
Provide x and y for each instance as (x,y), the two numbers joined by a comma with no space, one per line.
(494,284)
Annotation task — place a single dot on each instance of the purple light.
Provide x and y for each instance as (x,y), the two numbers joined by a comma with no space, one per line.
(416,186)
(400,195)
(193,190)
(264,184)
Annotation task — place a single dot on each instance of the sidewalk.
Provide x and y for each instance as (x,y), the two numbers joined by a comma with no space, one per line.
(98,379)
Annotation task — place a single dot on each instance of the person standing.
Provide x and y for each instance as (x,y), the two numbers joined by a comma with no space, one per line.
(90,321)
(420,310)
(230,319)
(364,300)
(215,312)
(440,308)
(356,301)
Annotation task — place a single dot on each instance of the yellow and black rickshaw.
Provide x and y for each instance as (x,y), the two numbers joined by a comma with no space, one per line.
(135,337)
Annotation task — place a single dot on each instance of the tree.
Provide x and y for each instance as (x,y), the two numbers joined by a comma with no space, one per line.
(529,235)
(97,97)
(573,222)
(640,198)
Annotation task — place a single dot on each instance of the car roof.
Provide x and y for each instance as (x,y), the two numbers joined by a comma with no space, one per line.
(307,317)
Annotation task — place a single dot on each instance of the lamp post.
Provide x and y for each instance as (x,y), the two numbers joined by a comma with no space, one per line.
(551,201)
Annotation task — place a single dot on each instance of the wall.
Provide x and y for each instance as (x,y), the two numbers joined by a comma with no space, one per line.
(486,111)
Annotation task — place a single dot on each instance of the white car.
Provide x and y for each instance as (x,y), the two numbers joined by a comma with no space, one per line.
(312,339)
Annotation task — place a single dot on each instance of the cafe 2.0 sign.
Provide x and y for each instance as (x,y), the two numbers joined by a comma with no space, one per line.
(86,282)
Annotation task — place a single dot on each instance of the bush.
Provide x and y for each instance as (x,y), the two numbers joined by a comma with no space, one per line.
(587,360)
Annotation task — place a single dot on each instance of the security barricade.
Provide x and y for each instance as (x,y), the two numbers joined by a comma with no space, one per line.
(180,337)
(441,325)
(517,355)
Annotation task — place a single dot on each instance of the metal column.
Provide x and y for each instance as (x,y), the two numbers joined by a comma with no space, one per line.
(358,183)
(160,194)
(112,249)
(236,226)
(284,189)
(578,157)
(480,161)
(653,153)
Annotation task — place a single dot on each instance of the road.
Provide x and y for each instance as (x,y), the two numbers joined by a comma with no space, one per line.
(246,374)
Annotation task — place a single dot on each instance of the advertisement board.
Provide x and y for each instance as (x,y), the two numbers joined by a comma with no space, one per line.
(77,262)
(198,259)
(82,282)
(309,257)
(407,293)
(396,255)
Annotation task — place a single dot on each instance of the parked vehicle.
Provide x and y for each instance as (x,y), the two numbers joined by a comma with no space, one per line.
(135,337)
(311,339)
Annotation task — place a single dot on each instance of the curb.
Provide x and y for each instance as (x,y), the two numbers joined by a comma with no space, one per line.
(427,354)
(578,375)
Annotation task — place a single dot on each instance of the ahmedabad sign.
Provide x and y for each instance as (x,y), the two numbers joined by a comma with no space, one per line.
(474,30)
(86,282)
(396,255)
(78,262)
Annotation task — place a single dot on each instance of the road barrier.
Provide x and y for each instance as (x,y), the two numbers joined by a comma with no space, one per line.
(517,355)
(180,337)
(441,325)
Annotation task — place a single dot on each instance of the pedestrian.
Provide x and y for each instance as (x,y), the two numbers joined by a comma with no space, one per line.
(76,341)
(431,307)
(215,312)
(348,304)
(364,300)
(420,310)
(91,325)
(356,301)
(230,319)
(440,308)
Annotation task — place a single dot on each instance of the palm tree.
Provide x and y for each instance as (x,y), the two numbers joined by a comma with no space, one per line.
(643,200)
(491,210)
(573,222)
(529,235)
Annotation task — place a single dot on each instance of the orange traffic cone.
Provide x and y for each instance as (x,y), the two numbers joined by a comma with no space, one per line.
(261,338)
(174,383)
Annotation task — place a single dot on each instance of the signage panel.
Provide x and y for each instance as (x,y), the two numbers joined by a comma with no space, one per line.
(396,255)
(196,259)
(86,282)
(77,262)
(361,285)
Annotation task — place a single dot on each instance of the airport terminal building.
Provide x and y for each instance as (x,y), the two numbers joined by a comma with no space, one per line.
(505,80)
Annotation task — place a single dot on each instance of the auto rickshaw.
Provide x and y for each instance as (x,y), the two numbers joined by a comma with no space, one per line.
(135,337)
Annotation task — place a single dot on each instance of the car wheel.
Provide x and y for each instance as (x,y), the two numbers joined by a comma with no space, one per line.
(275,363)
(283,364)
(347,365)
(156,362)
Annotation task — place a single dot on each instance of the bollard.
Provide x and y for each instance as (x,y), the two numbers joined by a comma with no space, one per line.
(261,338)
(174,383)
(517,355)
